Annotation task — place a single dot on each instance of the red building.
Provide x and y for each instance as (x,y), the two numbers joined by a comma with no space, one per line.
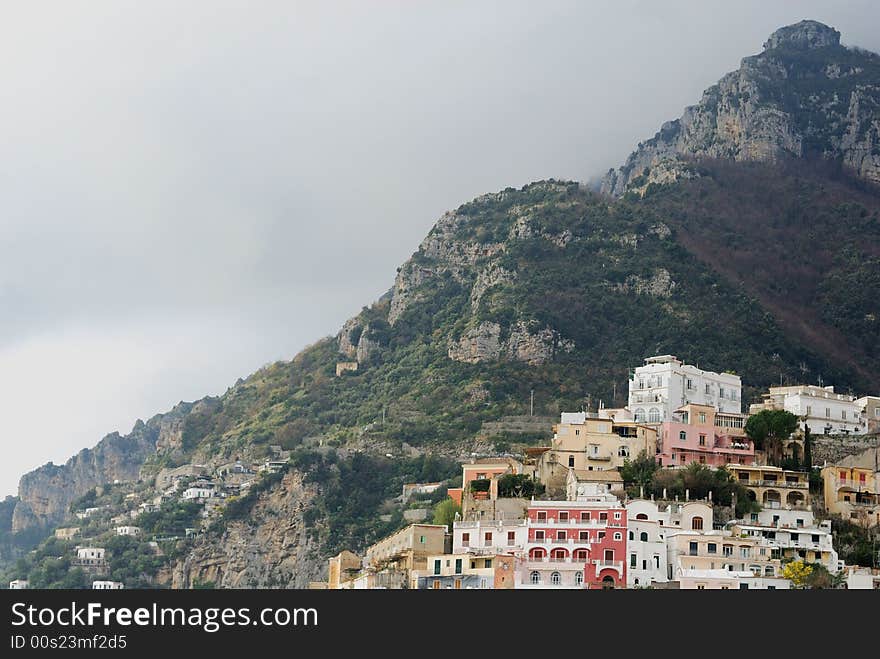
(575,544)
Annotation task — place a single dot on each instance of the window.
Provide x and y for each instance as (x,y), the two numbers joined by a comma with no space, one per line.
(511,538)
(744,552)
(571,461)
(654,415)
(632,560)
(641,383)
(639,415)
(690,384)
(842,475)
(458,566)
(579,578)
(555,578)
(560,535)
(577,432)
(584,536)
(682,436)
(539,536)
(618,536)
(535,577)
(727,550)
(828,412)
(585,517)
(697,524)
(692,549)
(603,517)
(861,478)
(436,584)
(712,548)
(799,523)
(422,539)
(643,536)
(708,389)
(744,586)
(720,392)
(616,515)
(487,538)
(580,554)
(563,515)
(437,565)
(623,452)
(542,515)
(754,517)
(703,417)
(843,414)
(465,539)
(702,439)
(488,563)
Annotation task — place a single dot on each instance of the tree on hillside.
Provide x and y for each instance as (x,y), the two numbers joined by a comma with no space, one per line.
(798,573)
(808,448)
(445,512)
(769,429)
(640,471)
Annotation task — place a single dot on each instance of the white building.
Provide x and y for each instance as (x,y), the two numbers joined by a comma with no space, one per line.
(128,530)
(107,585)
(823,410)
(19,584)
(490,536)
(664,383)
(198,493)
(90,553)
(792,534)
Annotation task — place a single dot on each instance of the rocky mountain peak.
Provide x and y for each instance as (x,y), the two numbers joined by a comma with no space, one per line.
(804,96)
(805,35)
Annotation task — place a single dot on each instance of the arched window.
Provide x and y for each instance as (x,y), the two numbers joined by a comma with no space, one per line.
(535,577)
(642,516)
(768,571)
(579,578)
(581,554)
(623,452)
(654,415)
(618,536)
(555,578)
(639,415)
(682,436)
(697,524)
(630,535)
(643,536)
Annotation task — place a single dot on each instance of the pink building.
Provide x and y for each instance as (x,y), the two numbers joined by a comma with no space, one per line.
(698,433)
(575,544)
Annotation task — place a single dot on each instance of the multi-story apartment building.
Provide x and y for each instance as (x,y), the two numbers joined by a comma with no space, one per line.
(774,487)
(791,535)
(489,536)
(820,408)
(649,525)
(721,550)
(698,433)
(488,470)
(870,408)
(467,571)
(575,544)
(408,548)
(664,383)
(852,488)
(591,442)
(728,580)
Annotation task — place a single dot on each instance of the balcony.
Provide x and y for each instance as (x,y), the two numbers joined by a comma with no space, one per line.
(602,564)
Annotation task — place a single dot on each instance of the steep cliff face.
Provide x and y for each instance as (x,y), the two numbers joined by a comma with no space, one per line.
(271,548)
(46,493)
(804,95)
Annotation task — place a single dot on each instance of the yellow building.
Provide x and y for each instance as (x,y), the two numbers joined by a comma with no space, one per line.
(774,487)
(852,489)
(408,549)
(467,571)
(341,568)
(591,442)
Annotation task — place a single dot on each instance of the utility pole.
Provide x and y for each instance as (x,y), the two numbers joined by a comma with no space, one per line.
(532,403)
(614,395)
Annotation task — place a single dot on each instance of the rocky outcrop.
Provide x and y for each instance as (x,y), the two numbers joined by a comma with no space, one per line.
(489,277)
(659,284)
(271,548)
(800,96)
(46,493)
(527,342)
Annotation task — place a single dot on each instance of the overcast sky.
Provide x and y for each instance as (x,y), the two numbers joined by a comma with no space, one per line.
(191,190)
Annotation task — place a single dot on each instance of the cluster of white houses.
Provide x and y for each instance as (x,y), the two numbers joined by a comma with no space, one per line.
(588,534)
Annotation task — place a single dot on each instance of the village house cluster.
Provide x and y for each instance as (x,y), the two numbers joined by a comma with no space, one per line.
(586,532)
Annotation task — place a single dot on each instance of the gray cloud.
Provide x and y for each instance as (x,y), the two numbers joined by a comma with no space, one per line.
(191,190)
